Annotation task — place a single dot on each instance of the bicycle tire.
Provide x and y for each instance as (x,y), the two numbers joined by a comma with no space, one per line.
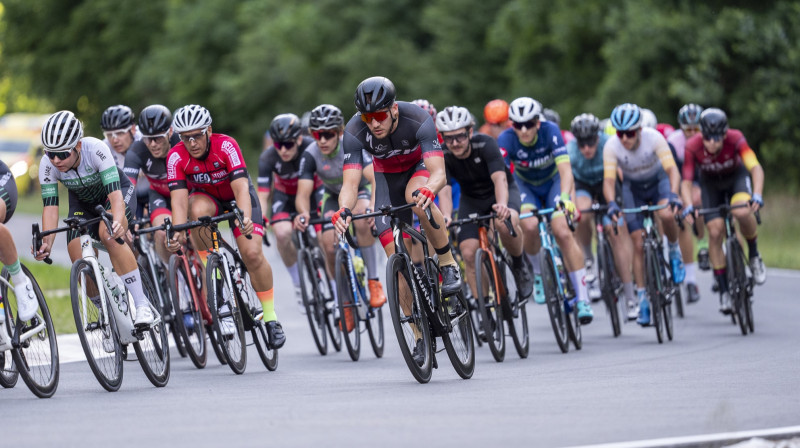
(251,304)
(397,274)
(328,302)
(670,293)
(164,305)
(346,301)
(515,310)
(194,339)
(269,356)
(574,328)
(678,300)
(214,342)
(232,346)
(377,338)
(653,290)
(736,275)
(606,273)
(152,350)
(488,298)
(459,343)
(36,359)
(107,369)
(9,375)
(555,303)
(311,300)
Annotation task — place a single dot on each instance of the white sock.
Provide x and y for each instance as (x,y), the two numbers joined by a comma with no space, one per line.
(370,257)
(578,280)
(691,276)
(133,281)
(334,291)
(294,274)
(629,291)
(534,259)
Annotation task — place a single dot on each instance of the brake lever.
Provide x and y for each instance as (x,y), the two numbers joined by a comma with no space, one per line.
(104,215)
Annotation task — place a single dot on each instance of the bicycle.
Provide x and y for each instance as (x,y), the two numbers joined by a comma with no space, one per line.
(232,301)
(315,289)
(474,314)
(28,349)
(353,300)
(661,288)
(104,312)
(740,279)
(498,298)
(421,315)
(559,292)
(610,283)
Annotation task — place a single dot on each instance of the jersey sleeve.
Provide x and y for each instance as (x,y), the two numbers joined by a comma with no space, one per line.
(747,154)
(556,142)
(176,177)
(233,158)
(352,152)
(609,160)
(663,152)
(49,182)
(308,166)
(494,160)
(428,139)
(105,164)
(366,158)
(133,164)
(504,142)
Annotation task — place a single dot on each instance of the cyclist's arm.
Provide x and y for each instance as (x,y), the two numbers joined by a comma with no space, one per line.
(302,200)
(500,188)
(446,202)
(751,163)
(668,162)
(265,167)
(133,164)
(349,194)
(49,222)
(180,205)
(567,181)
(117,206)
(609,172)
(241,191)
(438,178)
(369,173)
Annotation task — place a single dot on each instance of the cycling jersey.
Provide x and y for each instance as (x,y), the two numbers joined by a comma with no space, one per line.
(414,139)
(8,190)
(587,171)
(328,167)
(734,153)
(535,163)
(641,164)
(138,159)
(286,173)
(474,172)
(678,141)
(95,177)
(213,174)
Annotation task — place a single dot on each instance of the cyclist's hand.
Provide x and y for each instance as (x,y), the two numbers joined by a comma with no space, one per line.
(424,197)
(301,221)
(613,210)
(117,229)
(447,219)
(246,226)
(675,202)
(341,220)
(44,251)
(174,243)
(688,214)
(756,202)
(502,211)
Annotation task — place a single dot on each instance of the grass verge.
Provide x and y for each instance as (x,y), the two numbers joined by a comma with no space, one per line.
(54,281)
(779,232)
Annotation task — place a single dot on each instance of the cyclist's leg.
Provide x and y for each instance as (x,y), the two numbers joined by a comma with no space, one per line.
(583,233)
(368,251)
(573,255)
(327,235)
(282,208)
(26,300)
(468,236)
(159,207)
(530,226)
(635,225)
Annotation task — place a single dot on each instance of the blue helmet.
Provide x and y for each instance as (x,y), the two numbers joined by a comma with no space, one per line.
(626,117)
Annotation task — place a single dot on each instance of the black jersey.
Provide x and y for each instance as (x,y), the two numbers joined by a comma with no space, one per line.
(474,173)
(286,173)
(139,159)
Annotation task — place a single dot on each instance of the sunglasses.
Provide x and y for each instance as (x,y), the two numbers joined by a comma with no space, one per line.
(327,135)
(629,134)
(528,124)
(690,128)
(287,145)
(186,139)
(714,137)
(119,133)
(587,142)
(448,139)
(367,117)
(60,155)
(155,138)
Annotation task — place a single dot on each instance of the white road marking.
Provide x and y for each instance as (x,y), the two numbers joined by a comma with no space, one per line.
(704,438)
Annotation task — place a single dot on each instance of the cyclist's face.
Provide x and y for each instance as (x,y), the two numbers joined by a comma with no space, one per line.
(527,134)
(588,148)
(712,146)
(327,139)
(67,164)
(120,139)
(630,142)
(457,141)
(196,141)
(158,146)
(381,129)
(288,150)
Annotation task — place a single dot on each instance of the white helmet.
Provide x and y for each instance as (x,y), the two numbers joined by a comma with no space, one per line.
(191,117)
(524,109)
(61,132)
(453,118)
(649,119)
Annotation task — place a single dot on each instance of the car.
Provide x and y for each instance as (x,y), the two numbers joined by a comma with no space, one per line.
(21,148)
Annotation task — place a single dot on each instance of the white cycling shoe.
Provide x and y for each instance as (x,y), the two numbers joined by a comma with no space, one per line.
(27,305)
(144,316)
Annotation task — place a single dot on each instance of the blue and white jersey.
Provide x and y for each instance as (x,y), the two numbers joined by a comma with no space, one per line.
(534,163)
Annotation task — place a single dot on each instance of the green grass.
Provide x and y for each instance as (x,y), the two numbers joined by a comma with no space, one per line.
(54,281)
(31,203)
(779,232)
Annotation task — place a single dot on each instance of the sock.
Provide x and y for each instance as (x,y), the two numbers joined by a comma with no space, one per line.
(203,254)
(673,246)
(445,257)
(17,277)
(294,274)
(587,252)
(534,259)
(721,276)
(268,303)
(640,293)
(691,276)
(370,257)
(628,289)
(578,279)
(133,281)
(517,261)
(334,291)
(752,247)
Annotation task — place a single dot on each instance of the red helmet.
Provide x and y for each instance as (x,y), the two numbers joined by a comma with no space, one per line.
(665,129)
(496,112)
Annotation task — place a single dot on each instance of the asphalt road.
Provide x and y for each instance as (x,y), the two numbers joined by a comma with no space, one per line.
(710,379)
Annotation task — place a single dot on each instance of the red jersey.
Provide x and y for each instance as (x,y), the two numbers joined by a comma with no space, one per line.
(733,154)
(213,174)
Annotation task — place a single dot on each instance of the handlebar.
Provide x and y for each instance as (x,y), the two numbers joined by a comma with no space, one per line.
(73,223)
(476,219)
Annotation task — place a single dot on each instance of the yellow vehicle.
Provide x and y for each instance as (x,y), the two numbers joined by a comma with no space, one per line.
(21,147)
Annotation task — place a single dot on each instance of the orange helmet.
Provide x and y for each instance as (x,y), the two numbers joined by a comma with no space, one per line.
(496,112)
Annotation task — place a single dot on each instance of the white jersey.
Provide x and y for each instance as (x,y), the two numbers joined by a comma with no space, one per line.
(678,141)
(642,163)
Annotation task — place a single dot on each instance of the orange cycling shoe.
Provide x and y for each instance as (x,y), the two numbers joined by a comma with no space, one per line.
(348,317)
(376,296)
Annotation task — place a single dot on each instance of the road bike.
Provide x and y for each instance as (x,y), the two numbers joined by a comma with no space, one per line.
(610,283)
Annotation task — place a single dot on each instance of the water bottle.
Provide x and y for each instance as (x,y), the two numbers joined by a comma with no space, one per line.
(358,266)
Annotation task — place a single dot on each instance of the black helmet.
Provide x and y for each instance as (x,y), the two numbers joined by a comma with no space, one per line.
(585,126)
(326,116)
(116,117)
(155,120)
(285,127)
(374,94)
(713,123)
(552,116)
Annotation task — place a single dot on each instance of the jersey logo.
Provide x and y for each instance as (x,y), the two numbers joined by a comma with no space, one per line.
(276,207)
(101,155)
(149,164)
(216,164)
(278,166)
(171,162)
(229,149)
(477,160)
(404,142)
(196,169)
(436,144)
(522,154)
(555,139)
(202,178)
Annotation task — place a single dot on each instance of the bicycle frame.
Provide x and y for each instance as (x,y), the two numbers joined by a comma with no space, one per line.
(147,248)
(16,339)
(359,294)
(546,237)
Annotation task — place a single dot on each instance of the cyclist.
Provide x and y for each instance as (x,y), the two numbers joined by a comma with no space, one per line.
(649,175)
(325,158)
(120,134)
(148,157)
(407,159)
(86,167)
(723,158)
(586,158)
(475,161)
(282,161)
(544,177)
(206,171)
(27,304)
(554,117)
(495,115)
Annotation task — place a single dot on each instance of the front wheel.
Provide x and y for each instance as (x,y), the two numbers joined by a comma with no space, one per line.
(488,298)
(654,290)
(515,310)
(459,342)
(188,321)
(251,307)
(555,303)
(609,284)
(349,319)
(225,314)
(152,349)
(312,299)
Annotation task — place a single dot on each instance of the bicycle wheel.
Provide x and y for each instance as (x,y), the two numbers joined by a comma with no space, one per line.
(214,342)
(8,370)
(607,275)
(412,324)
(188,318)
(309,286)
(375,330)
(670,292)
(678,301)
(162,301)
(96,328)
(555,303)
(152,349)
(36,359)
(489,307)
(475,315)
(459,342)
(736,277)
(653,290)
(515,310)
(574,328)
(226,315)
(250,303)
(348,309)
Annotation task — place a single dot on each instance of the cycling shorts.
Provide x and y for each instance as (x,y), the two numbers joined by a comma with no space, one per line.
(469,205)
(8,191)
(637,194)
(225,206)
(737,187)
(391,190)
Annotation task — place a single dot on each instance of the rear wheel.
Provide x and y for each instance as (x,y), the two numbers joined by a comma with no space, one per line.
(515,310)
(376,332)
(736,278)
(312,300)
(488,298)
(555,303)
(188,318)
(226,315)
(349,319)
(654,291)
(8,370)
(459,342)
(251,307)
(152,349)
(607,275)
